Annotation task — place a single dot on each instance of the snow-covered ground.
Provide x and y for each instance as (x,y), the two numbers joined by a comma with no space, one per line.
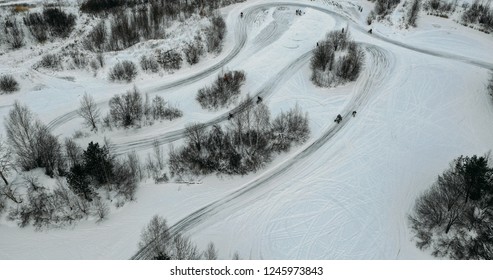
(346,194)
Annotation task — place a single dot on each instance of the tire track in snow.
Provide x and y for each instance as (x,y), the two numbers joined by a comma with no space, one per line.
(241,39)
(265,92)
(381,66)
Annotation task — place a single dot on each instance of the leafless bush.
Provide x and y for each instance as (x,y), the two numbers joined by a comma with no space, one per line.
(123,32)
(126,109)
(73,152)
(37,26)
(123,71)
(14,33)
(149,64)
(97,38)
(156,237)
(51,61)
(210,253)
(289,129)
(89,111)
(453,218)
(326,70)
(170,60)
(101,209)
(215,34)
(79,59)
(223,92)
(8,84)
(193,51)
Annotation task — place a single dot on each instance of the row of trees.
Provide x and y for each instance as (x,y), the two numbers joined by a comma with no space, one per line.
(223,92)
(130,26)
(454,217)
(336,60)
(126,110)
(163,246)
(131,109)
(245,145)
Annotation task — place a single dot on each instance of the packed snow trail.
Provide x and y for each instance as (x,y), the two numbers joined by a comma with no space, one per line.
(381,65)
(264,93)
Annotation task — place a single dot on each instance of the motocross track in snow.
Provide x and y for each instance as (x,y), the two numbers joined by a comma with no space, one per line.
(379,68)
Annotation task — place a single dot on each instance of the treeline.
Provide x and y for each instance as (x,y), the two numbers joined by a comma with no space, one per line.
(82,175)
(223,92)
(336,60)
(245,145)
(52,22)
(149,20)
(454,217)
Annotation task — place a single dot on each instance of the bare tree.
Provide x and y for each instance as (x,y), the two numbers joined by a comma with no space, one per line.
(210,253)
(89,111)
(6,163)
(156,236)
(21,134)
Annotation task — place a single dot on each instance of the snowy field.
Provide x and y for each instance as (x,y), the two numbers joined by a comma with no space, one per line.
(345,194)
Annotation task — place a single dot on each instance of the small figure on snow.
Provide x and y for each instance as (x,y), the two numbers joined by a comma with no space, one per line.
(230,116)
(370,31)
(354,114)
(241,14)
(259,99)
(338,118)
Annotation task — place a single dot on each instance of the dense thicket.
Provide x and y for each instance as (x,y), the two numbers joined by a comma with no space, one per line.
(8,84)
(412,13)
(336,60)
(223,92)
(13,33)
(163,246)
(244,146)
(32,143)
(51,22)
(481,13)
(384,7)
(454,218)
(123,71)
(131,109)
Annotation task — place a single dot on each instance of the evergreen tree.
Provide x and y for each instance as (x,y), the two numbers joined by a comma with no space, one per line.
(79,182)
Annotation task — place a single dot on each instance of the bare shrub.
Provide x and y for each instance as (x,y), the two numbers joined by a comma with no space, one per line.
(149,64)
(8,84)
(123,71)
(223,92)
(215,34)
(51,61)
(126,109)
(169,60)
(210,253)
(97,38)
(193,51)
(412,14)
